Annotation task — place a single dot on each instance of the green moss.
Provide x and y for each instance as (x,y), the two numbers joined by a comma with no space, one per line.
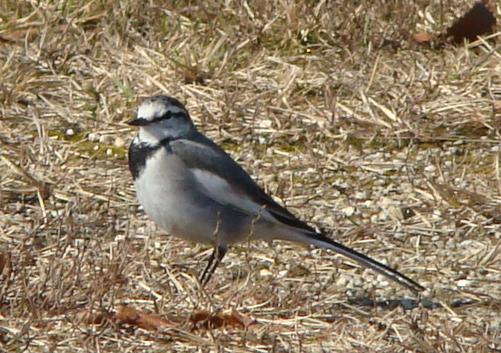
(291,147)
(356,142)
(81,145)
(62,136)
(230,146)
(89,148)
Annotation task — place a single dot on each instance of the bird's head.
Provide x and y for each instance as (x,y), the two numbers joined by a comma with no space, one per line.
(161,117)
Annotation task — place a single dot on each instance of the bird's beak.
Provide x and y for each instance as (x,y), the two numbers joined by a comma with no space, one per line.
(138,122)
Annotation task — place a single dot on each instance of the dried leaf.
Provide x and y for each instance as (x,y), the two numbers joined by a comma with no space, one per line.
(130,316)
(234,318)
(423,37)
(228,318)
(194,75)
(479,20)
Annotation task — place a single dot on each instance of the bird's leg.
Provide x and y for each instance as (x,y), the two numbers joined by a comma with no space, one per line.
(214,260)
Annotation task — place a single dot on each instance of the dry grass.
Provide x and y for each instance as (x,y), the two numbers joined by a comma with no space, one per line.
(329,106)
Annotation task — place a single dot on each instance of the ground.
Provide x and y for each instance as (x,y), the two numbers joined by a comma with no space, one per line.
(390,146)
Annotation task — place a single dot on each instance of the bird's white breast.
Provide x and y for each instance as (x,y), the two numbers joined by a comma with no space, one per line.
(159,188)
(167,191)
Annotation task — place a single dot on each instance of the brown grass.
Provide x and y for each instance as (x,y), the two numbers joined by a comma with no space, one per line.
(332,109)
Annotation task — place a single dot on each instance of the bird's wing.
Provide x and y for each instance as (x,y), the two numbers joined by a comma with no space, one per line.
(226,182)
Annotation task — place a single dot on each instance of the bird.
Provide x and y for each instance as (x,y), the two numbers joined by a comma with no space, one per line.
(192,189)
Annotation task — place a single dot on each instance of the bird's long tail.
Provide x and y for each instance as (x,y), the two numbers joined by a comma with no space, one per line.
(322,241)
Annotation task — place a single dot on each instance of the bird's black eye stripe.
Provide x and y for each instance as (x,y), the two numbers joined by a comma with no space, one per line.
(166,116)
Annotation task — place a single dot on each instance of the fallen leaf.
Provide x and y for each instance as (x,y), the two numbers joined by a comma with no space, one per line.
(194,75)
(228,318)
(423,37)
(479,20)
(131,316)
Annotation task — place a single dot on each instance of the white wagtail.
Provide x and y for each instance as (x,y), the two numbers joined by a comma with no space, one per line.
(194,190)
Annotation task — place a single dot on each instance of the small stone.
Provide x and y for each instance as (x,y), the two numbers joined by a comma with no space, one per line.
(464,283)
(349,211)
(265,272)
(350,292)
(106,139)
(430,168)
(360,195)
(316,286)
(341,281)
(383,284)
(379,182)
(119,142)
(93,137)
(109,152)
(368,203)
(70,132)
(265,124)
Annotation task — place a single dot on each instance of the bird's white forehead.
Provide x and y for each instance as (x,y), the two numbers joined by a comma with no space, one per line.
(152,109)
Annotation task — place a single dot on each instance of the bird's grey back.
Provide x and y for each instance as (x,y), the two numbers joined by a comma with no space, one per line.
(213,158)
